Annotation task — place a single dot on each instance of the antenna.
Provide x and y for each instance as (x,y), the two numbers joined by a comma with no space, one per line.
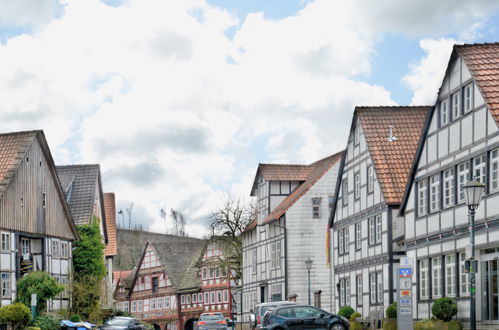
(391,138)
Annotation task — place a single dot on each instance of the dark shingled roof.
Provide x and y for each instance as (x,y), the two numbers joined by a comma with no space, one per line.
(79,183)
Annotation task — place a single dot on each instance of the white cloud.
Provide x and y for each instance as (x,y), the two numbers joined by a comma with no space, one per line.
(177,113)
(425,77)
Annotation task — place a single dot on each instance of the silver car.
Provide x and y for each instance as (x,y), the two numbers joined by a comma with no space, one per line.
(212,321)
(258,312)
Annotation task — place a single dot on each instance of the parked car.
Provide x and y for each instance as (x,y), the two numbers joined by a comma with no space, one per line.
(121,322)
(301,317)
(213,321)
(256,315)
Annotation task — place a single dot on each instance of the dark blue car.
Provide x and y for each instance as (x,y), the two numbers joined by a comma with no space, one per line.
(301,317)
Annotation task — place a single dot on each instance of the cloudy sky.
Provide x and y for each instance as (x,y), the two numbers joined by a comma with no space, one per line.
(179,100)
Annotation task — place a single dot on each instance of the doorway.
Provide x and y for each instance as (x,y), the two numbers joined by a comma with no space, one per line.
(490,289)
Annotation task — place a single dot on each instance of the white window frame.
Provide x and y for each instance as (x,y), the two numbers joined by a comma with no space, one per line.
(380,293)
(372,231)
(435,193)
(358,283)
(5,242)
(370,179)
(464,280)
(444,112)
(436,277)
(422,197)
(373,286)
(456,105)
(356,190)
(468,98)
(494,170)
(6,284)
(345,191)
(480,168)
(341,241)
(134,306)
(450,275)
(463,176)
(358,235)
(448,187)
(379,228)
(342,292)
(424,278)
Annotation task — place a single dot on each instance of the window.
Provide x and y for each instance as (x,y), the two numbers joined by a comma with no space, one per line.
(358,235)
(435,193)
(463,176)
(444,112)
(204,273)
(345,191)
(206,298)
(55,249)
(422,197)
(341,241)
(316,208)
(6,242)
(155,284)
(5,285)
(64,249)
(424,285)
(358,283)
(436,272)
(134,306)
(219,296)
(345,291)
(494,170)
(194,298)
(217,272)
(182,299)
(275,255)
(212,297)
(448,187)
(468,98)
(375,229)
(356,140)
(376,285)
(127,306)
(226,296)
(159,303)
(330,203)
(356,190)
(370,179)
(200,297)
(456,105)
(153,304)
(254,261)
(450,275)
(464,281)
(479,168)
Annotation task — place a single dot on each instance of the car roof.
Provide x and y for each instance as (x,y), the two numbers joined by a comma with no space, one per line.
(276,303)
(212,313)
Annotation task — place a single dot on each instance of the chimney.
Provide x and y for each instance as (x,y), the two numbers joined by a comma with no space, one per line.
(391,138)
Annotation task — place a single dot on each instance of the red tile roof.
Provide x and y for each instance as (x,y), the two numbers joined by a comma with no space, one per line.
(317,170)
(281,172)
(483,62)
(313,173)
(110,215)
(121,274)
(392,160)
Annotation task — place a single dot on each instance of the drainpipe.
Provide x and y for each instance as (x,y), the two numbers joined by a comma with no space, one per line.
(285,258)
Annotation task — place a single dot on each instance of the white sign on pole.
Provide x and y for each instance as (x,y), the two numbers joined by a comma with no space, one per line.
(468,250)
(33,299)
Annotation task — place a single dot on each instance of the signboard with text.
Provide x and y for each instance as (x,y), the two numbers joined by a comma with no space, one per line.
(404,294)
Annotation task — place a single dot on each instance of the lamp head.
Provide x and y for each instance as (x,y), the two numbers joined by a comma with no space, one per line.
(308,263)
(473,191)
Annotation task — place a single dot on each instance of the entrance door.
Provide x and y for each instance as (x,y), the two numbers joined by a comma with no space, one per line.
(490,279)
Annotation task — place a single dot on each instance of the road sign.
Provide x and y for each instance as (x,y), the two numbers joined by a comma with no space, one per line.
(404,296)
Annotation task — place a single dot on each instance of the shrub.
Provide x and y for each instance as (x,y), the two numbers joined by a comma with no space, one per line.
(41,283)
(354,325)
(46,322)
(390,324)
(17,316)
(122,313)
(354,316)
(346,312)
(444,309)
(33,328)
(391,311)
(75,318)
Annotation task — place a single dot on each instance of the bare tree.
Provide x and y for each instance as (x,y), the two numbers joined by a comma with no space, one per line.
(227,224)
(162,214)
(178,222)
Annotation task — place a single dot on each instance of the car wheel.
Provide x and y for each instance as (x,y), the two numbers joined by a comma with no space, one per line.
(338,326)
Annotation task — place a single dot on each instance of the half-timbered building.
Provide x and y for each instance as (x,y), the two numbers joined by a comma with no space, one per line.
(293,206)
(36,227)
(460,143)
(365,224)
(175,281)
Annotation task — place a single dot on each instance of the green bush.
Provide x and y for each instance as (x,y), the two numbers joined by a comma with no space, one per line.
(41,283)
(354,316)
(46,322)
(75,318)
(437,325)
(33,328)
(122,313)
(391,311)
(16,315)
(354,325)
(444,309)
(346,312)
(390,324)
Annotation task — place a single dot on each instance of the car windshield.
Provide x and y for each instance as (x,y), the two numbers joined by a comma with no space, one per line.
(211,317)
(264,309)
(117,322)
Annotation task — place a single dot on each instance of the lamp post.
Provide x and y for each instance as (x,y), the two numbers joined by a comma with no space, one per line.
(308,265)
(473,191)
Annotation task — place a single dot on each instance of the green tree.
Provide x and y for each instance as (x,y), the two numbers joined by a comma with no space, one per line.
(46,322)
(41,283)
(89,270)
(16,316)
(88,253)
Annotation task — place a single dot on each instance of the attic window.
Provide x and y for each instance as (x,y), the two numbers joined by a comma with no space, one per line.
(40,163)
(22,202)
(44,199)
(356,136)
(27,159)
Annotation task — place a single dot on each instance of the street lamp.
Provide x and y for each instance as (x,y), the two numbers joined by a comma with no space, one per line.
(308,265)
(473,191)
